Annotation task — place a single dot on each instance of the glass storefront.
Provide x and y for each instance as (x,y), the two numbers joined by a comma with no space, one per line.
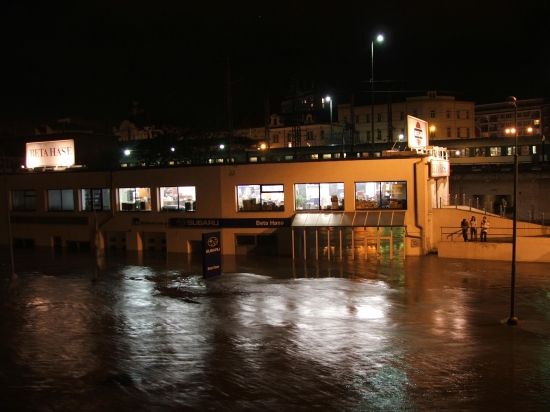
(319,196)
(380,195)
(60,200)
(95,199)
(134,199)
(180,198)
(252,198)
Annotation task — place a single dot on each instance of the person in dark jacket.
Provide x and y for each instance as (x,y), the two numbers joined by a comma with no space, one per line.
(464,226)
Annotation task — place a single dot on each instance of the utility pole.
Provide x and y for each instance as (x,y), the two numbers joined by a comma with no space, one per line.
(229,108)
(8,216)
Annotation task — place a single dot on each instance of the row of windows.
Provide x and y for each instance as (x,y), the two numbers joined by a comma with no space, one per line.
(493,151)
(249,198)
(535,114)
(460,114)
(460,132)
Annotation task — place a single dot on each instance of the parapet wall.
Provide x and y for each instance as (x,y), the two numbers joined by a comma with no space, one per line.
(529,249)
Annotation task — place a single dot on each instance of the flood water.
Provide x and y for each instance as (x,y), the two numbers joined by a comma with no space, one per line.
(133,333)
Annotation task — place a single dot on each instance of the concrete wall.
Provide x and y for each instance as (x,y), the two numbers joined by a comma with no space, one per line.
(529,249)
(447,220)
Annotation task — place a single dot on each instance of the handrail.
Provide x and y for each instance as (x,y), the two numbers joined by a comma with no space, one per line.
(501,234)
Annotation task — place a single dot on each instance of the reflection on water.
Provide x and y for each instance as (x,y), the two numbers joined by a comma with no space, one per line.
(149,333)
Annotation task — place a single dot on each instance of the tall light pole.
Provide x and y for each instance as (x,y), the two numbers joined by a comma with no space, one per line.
(379,39)
(329,100)
(512,319)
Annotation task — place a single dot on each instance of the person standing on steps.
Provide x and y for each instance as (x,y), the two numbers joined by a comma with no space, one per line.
(473,229)
(484,229)
(464,227)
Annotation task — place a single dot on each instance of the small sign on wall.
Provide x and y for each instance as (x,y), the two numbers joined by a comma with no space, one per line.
(439,168)
(211,254)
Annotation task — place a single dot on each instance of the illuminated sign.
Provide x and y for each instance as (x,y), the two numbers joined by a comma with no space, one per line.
(211,254)
(229,222)
(417,132)
(439,168)
(50,154)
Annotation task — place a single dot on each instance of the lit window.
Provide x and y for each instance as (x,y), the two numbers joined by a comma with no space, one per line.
(319,196)
(95,199)
(380,195)
(60,200)
(252,198)
(495,151)
(134,198)
(23,200)
(181,198)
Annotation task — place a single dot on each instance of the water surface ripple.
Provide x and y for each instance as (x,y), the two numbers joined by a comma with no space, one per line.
(149,333)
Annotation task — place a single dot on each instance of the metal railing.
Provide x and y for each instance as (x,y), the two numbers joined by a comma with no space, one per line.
(494,234)
(471,203)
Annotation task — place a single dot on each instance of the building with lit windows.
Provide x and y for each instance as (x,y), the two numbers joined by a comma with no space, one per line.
(448,118)
(496,119)
(321,206)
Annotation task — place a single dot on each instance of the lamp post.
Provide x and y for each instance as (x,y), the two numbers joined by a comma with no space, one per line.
(512,319)
(379,39)
(329,100)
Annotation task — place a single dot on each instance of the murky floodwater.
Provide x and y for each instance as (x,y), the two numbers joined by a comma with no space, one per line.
(151,334)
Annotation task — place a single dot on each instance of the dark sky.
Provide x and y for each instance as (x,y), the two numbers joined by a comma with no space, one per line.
(92,58)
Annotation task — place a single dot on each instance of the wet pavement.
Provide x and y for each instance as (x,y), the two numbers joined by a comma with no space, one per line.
(149,334)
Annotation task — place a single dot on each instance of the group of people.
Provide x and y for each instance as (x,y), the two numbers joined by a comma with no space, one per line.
(471,226)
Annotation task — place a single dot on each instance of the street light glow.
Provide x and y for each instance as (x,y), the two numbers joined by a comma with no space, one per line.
(127,152)
(172,149)
(222,146)
(379,39)
(327,99)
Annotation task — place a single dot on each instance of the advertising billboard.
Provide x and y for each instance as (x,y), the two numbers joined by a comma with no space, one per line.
(53,153)
(211,254)
(417,133)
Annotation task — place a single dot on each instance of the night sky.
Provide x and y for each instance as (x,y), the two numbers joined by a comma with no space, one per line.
(93,58)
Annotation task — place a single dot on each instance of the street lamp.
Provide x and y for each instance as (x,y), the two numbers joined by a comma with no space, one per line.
(432,130)
(512,319)
(329,100)
(379,39)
